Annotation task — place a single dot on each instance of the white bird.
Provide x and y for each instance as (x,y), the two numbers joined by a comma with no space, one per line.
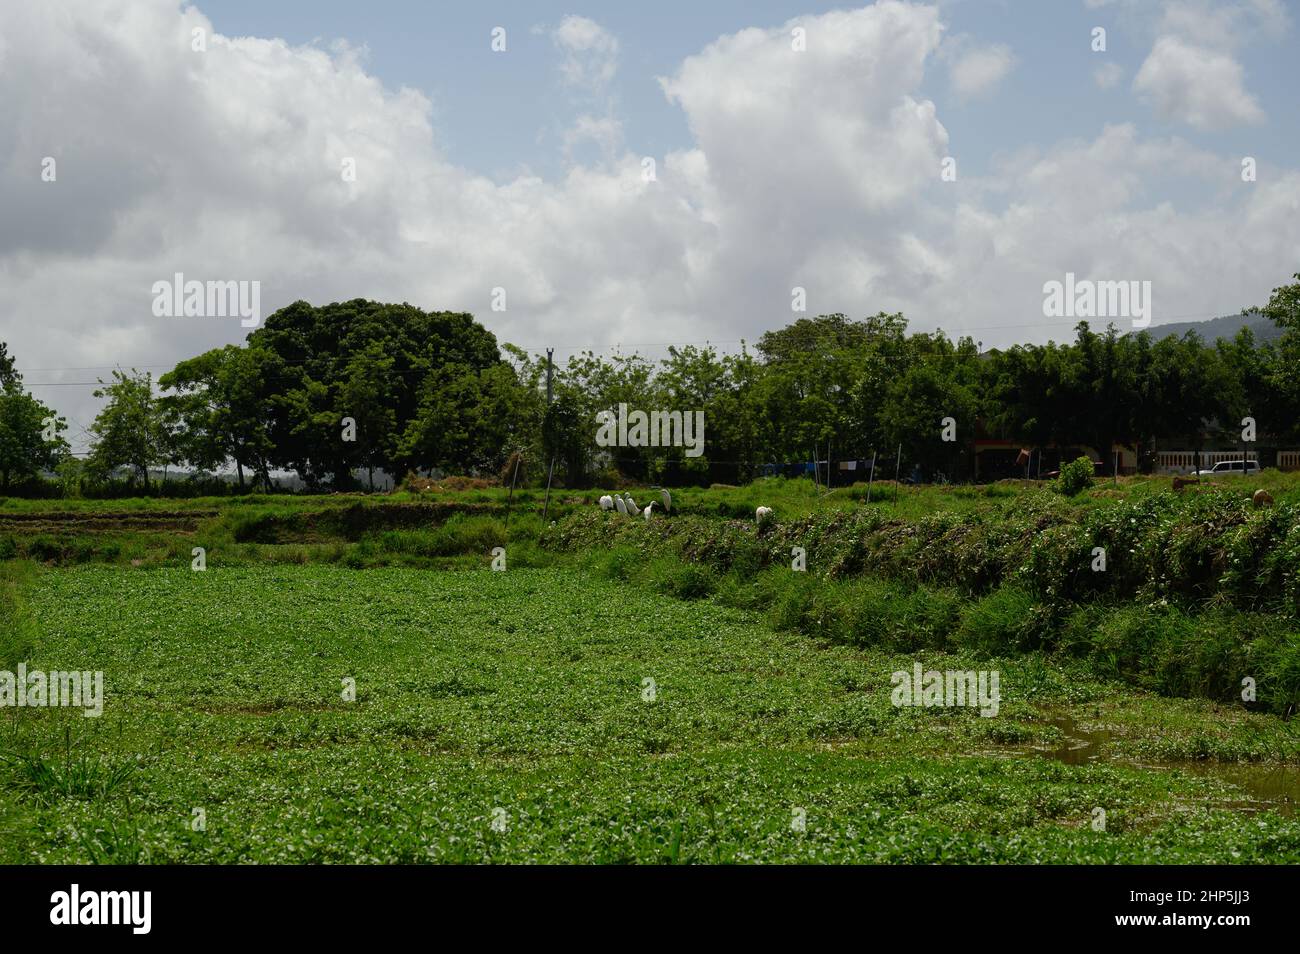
(631,504)
(606,502)
(649,507)
(763,514)
(667,499)
(622,507)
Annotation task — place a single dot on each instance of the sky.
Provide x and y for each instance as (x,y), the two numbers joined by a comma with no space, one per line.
(793,146)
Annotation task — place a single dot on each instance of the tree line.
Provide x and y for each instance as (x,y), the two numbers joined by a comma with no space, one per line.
(339,392)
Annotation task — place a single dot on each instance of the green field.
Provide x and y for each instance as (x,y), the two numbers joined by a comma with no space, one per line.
(508,716)
(518,697)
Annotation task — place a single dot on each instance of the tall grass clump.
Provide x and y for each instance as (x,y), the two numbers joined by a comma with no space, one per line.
(17,628)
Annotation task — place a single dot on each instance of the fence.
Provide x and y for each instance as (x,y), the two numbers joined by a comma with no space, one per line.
(1189,462)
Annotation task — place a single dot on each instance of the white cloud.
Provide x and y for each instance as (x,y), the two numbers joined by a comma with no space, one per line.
(1108,75)
(1219,25)
(816,168)
(977,72)
(590,52)
(1196,85)
(605,132)
(1193,73)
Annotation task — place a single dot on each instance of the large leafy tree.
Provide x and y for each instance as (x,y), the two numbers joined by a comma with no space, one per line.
(937,383)
(30,432)
(368,361)
(30,438)
(1103,381)
(415,385)
(216,411)
(468,419)
(129,431)
(1283,376)
(695,379)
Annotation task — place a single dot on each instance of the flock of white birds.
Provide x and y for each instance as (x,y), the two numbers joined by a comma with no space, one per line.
(628,507)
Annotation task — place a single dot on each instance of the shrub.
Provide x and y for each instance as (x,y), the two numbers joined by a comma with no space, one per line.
(1000,623)
(1076,477)
(685,581)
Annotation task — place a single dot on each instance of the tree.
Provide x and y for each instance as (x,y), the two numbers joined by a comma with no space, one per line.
(8,373)
(129,431)
(1102,384)
(368,395)
(1283,378)
(566,436)
(371,362)
(694,379)
(816,385)
(915,407)
(470,420)
(29,435)
(192,412)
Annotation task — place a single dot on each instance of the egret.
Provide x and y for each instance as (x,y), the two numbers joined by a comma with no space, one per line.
(622,507)
(606,502)
(667,498)
(646,512)
(631,504)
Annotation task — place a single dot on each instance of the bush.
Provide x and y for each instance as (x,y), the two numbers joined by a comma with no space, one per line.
(1076,477)
(684,581)
(1001,623)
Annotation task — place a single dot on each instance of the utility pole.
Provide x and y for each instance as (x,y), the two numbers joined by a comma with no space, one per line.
(550,469)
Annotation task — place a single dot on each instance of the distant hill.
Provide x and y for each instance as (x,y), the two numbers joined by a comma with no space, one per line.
(1215,328)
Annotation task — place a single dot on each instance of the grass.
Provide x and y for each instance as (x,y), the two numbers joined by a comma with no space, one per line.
(80,776)
(520,697)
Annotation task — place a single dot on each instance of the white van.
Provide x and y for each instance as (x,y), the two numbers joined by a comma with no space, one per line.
(1231,467)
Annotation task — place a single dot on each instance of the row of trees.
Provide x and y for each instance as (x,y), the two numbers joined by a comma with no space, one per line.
(350,388)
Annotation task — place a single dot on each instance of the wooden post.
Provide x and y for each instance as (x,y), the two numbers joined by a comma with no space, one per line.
(550,468)
(549,471)
(898,472)
(511,497)
(871,478)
